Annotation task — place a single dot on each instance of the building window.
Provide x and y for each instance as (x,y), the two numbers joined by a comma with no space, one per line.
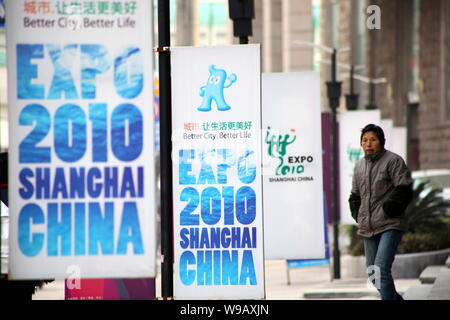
(213,13)
(316,12)
(334,25)
(213,21)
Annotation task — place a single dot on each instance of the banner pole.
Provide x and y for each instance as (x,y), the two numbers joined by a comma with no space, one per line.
(166,149)
(334,93)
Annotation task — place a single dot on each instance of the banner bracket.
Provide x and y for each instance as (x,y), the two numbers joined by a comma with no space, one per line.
(163,49)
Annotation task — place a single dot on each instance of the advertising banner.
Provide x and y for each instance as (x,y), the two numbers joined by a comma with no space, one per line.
(292,166)
(395,137)
(298,263)
(399,137)
(2,13)
(109,289)
(388,128)
(350,125)
(218,222)
(80,100)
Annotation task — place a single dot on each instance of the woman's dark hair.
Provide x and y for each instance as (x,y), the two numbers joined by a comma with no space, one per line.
(378,131)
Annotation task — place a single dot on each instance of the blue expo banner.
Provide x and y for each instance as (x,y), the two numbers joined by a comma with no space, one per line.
(218,234)
(81,140)
(2,13)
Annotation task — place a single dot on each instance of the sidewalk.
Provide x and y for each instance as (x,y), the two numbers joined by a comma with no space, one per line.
(316,283)
(306,283)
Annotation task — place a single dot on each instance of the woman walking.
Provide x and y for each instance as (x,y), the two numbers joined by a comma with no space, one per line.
(381,191)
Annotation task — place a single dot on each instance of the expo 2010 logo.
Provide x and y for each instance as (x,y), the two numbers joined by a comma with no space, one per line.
(277,144)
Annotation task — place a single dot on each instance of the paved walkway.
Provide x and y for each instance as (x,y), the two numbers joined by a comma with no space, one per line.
(306,283)
(316,283)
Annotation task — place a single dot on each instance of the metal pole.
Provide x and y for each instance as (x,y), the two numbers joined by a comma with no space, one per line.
(165,149)
(334,93)
(371,105)
(243,40)
(242,12)
(333,66)
(336,252)
(352,71)
(351,99)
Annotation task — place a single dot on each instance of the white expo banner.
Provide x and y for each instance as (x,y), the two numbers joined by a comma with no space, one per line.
(395,137)
(399,141)
(388,126)
(81,190)
(292,166)
(350,125)
(218,233)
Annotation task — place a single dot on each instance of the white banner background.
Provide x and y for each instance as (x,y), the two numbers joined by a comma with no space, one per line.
(399,137)
(293,197)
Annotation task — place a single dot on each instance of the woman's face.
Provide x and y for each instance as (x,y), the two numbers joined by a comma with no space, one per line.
(370,143)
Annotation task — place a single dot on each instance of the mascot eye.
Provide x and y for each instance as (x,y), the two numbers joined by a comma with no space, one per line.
(212,79)
(216,80)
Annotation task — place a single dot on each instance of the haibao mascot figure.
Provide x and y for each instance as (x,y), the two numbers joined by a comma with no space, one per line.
(213,90)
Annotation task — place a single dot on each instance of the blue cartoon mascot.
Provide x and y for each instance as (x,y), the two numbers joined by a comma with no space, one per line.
(213,90)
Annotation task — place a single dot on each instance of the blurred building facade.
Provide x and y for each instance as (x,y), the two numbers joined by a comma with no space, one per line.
(277,25)
(411,49)
(200,23)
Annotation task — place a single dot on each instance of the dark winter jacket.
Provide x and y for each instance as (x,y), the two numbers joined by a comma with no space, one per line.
(381,191)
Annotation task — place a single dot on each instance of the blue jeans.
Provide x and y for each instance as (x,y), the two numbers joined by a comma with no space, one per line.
(380,253)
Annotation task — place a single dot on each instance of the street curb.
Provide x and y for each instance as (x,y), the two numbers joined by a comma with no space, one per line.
(339,295)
